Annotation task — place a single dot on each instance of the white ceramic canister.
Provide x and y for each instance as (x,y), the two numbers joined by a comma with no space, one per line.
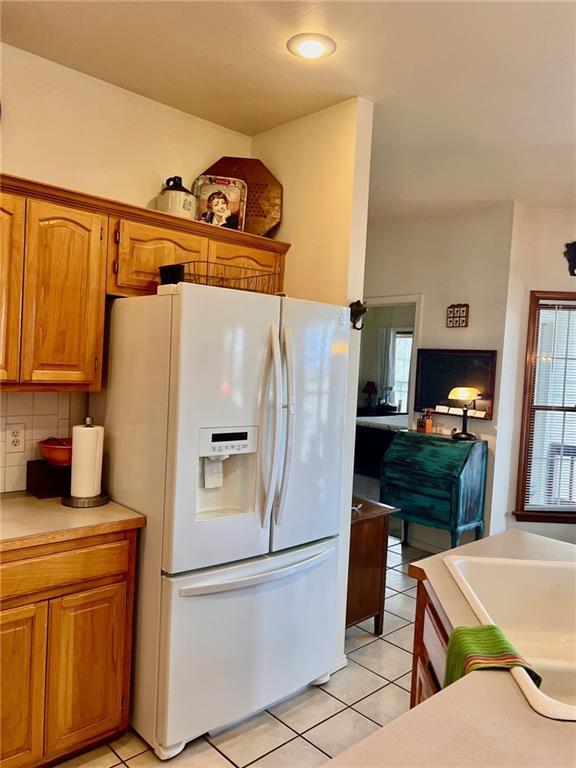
(176,199)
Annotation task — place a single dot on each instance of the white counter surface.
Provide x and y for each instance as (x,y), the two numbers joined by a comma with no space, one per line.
(483,719)
(517,545)
(395,423)
(28,521)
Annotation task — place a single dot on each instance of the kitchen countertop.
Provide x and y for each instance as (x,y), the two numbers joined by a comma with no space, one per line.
(483,719)
(517,545)
(26,521)
(395,422)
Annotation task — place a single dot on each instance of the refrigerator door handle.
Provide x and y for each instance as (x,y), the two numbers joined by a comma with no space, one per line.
(277,409)
(243,582)
(290,416)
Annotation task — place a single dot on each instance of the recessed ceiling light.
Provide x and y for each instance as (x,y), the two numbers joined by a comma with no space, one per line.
(309,45)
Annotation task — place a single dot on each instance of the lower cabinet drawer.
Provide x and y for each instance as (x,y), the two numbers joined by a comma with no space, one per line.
(24,577)
(425,684)
(434,642)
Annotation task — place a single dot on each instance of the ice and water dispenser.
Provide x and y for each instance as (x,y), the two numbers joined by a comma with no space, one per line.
(227,471)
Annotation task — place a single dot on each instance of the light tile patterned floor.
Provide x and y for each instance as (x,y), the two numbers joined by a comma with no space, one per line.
(318,723)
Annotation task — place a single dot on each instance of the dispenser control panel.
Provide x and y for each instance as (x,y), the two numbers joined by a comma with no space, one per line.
(218,441)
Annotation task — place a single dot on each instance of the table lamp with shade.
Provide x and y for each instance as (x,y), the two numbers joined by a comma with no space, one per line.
(468,395)
(370,389)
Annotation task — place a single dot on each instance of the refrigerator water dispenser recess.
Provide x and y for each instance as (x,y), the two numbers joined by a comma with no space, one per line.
(227,472)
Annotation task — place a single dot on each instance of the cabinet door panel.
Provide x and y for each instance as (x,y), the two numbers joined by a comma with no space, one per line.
(229,256)
(144,248)
(63,316)
(11,265)
(23,653)
(85,666)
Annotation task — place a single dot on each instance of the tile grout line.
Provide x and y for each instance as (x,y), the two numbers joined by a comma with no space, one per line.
(316,747)
(348,706)
(368,642)
(311,727)
(270,751)
(378,691)
(228,759)
(124,760)
(367,717)
(324,720)
(378,673)
(409,621)
(382,636)
(400,646)
(402,591)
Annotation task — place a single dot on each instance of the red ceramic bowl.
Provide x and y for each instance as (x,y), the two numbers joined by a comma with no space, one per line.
(57,450)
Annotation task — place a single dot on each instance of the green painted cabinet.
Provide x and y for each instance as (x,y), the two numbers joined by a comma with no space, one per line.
(436,481)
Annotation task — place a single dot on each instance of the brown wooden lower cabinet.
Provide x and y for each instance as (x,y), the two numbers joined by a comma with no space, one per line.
(66,647)
(23,669)
(84,697)
(431,632)
(367,563)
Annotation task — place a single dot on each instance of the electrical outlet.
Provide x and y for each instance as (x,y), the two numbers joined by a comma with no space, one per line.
(15,438)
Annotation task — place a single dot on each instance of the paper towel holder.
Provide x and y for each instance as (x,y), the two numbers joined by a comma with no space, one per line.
(85,502)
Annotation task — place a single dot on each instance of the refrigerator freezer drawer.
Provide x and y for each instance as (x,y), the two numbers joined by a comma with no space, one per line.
(239,638)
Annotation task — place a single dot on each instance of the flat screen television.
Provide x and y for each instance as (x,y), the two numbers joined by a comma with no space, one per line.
(440,370)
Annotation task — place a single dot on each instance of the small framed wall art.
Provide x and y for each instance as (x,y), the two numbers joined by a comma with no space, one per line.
(457,315)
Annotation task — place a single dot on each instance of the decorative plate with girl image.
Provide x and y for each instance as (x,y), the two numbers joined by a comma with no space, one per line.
(220,201)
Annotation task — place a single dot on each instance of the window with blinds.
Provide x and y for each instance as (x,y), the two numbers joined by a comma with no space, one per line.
(547,470)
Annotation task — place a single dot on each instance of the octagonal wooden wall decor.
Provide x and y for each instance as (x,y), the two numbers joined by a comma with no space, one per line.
(264,199)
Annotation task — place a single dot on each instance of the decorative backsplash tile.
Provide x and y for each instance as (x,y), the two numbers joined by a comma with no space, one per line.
(26,418)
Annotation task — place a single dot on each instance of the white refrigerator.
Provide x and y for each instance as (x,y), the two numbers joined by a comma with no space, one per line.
(224,416)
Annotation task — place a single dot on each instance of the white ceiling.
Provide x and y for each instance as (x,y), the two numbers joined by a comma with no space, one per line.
(475,102)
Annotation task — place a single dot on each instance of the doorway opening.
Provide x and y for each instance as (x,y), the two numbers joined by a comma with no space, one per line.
(385,385)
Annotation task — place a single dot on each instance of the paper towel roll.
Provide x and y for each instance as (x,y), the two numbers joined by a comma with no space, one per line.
(87,443)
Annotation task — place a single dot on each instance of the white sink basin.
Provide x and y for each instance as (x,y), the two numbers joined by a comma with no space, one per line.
(534,603)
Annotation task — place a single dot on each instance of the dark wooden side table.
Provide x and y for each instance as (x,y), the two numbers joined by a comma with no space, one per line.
(367,564)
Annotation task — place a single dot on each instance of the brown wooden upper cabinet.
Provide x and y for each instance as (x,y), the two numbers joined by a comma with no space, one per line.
(11,268)
(138,250)
(63,251)
(64,288)
(230,255)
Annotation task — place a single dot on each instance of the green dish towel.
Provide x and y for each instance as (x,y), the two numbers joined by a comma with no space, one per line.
(483,647)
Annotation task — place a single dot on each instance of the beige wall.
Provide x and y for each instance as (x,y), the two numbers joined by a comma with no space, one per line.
(318,159)
(450,257)
(400,316)
(536,264)
(66,128)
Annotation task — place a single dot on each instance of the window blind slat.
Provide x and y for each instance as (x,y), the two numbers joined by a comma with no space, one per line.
(550,477)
